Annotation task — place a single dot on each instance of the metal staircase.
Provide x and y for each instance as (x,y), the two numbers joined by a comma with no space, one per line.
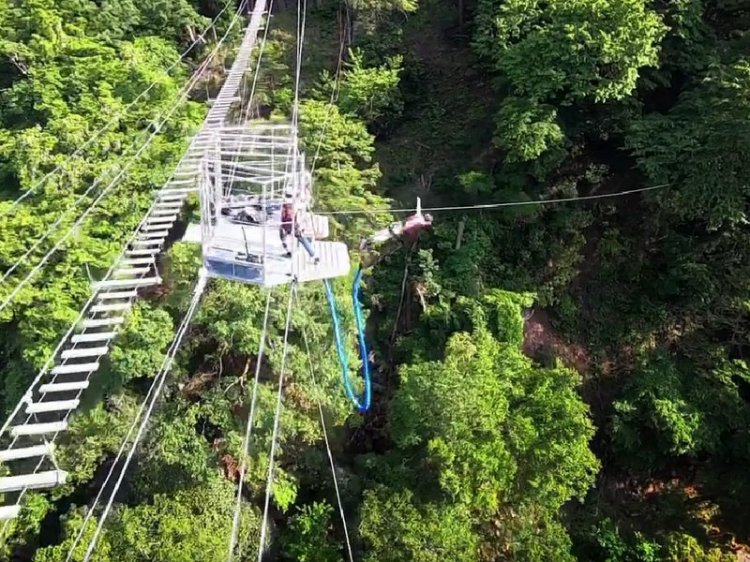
(27,438)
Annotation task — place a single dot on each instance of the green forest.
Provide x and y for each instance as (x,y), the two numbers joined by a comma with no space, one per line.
(552,380)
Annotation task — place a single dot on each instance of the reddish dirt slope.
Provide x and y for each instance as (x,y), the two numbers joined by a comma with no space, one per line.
(541,339)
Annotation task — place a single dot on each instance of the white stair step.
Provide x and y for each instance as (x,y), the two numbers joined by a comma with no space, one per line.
(63,386)
(137,261)
(227,100)
(173,204)
(48,479)
(165,212)
(166,219)
(150,235)
(122,294)
(155,242)
(111,307)
(83,352)
(161,225)
(93,337)
(172,196)
(51,406)
(132,271)
(9,512)
(122,283)
(75,368)
(174,181)
(38,428)
(80,352)
(26,452)
(99,322)
(142,252)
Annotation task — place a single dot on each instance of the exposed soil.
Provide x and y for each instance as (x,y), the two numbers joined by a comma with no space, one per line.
(541,340)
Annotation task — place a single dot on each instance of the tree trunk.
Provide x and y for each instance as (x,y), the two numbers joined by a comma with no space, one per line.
(460,236)
(350,16)
(460,13)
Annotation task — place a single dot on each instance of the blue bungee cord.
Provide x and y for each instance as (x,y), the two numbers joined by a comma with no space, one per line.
(364,404)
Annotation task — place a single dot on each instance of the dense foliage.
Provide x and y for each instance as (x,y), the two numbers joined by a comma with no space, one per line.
(553,382)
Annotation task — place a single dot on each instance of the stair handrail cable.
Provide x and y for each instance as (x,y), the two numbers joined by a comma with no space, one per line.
(327,442)
(276,424)
(244,120)
(331,101)
(118,115)
(91,510)
(53,227)
(249,431)
(161,378)
(85,307)
(90,208)
(90,300)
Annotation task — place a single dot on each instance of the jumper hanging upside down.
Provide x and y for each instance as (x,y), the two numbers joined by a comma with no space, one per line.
(391,239)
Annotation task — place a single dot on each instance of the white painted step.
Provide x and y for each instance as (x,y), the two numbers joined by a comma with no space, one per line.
(147,243)
(93,337)
(149,235)
(99,322)
(147,252)
(121,294)
(79,352)
(26,452)
(124,283)
(111,307)
(228,99)
(132,271)
(166,219)
(172,196)
(52,406)
(38,428)
(9,512)
(165,212)
(63,386)
(148,227)
(74,369)
(48,479)
(186,172)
